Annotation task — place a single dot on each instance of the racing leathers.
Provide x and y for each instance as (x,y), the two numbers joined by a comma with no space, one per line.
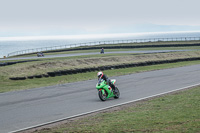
(104,77)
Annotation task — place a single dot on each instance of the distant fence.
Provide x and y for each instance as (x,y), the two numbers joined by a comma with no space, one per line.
(27,51)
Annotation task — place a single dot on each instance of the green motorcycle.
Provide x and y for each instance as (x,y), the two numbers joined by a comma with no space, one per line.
(105,91)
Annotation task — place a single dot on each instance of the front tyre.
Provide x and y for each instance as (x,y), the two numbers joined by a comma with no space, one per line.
(102,96)
(117,93)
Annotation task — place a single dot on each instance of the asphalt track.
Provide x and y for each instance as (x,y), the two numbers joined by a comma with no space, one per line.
(92,53)
(27,108)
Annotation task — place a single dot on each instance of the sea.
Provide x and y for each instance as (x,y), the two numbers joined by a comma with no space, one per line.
(13,44)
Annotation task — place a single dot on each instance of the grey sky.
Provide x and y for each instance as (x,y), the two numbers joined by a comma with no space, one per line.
(68,17)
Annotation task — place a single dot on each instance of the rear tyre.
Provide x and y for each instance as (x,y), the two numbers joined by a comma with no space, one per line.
(102,96)
(117,93)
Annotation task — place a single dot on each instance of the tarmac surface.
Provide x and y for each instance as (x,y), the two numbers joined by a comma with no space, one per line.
(28,108)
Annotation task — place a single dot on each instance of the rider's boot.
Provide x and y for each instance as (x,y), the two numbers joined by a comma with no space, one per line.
(113,88)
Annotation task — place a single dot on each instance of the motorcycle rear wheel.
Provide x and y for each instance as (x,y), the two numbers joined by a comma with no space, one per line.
(102,96)
(117,94)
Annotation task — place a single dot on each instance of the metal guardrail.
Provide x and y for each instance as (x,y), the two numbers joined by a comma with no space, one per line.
(27,51)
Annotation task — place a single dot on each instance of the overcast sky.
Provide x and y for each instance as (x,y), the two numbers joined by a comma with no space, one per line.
(75,17)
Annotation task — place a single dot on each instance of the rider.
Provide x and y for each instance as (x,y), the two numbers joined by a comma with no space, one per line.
(102,51)
(100,76)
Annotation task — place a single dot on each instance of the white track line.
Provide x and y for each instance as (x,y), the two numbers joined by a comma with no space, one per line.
(78,115)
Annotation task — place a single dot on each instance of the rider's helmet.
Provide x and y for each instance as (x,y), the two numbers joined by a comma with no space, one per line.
(100,75)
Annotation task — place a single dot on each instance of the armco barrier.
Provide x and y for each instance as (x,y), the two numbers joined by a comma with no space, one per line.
(102,68)
(122,47)
(98,46)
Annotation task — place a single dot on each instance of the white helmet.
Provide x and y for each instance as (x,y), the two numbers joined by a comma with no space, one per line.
(100,74)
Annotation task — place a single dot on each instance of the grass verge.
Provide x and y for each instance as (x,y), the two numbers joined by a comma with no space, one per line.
(175,113)
(10,85)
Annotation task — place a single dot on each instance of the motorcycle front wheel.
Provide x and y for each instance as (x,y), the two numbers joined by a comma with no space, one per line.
(102,96)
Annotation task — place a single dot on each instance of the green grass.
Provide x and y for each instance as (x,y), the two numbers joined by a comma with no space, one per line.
(175,113)
(10,85)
